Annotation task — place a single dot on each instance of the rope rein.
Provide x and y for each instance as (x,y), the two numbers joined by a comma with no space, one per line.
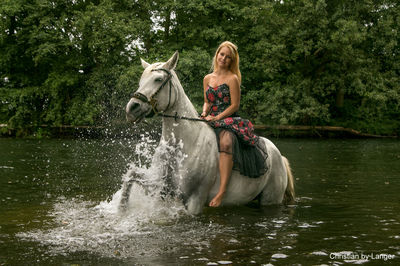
(176,117)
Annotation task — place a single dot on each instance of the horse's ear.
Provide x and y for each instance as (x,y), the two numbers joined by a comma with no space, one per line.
(171,63)
(144,63)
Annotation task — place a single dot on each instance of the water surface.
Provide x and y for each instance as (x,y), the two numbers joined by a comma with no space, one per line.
(58,206)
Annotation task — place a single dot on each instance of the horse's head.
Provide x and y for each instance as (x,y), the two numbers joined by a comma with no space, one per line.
(155,93)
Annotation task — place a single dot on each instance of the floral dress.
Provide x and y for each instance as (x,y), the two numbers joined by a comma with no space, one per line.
(220,99)
(248,157)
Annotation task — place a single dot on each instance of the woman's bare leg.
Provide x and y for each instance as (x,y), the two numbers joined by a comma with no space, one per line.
(225,170)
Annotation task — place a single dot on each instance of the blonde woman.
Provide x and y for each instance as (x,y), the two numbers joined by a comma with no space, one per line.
(236,141)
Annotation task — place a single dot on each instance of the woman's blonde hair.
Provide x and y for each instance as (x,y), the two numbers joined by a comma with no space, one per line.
(234,67)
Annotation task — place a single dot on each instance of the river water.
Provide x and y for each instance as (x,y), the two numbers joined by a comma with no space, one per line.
(59,207)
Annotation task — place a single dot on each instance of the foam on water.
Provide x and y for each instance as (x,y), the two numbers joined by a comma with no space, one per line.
(87,226)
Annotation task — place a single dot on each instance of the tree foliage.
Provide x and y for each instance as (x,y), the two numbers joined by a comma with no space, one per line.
(303,62)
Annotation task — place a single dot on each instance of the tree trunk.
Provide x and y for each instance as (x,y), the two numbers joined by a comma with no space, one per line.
(339,98)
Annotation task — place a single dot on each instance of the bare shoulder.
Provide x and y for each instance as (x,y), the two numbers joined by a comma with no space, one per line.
(233,81)
(207,78)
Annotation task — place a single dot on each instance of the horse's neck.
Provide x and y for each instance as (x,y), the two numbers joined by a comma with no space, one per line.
(182,129)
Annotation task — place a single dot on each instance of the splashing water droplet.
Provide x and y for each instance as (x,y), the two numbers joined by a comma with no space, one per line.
(80,225)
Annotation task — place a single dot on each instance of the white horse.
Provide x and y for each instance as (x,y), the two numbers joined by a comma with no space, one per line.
(160,92)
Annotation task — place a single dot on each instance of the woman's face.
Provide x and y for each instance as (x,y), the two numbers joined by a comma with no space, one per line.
(224,57)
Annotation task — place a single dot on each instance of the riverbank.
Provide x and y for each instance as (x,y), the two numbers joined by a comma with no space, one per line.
(314,131)
(127,130)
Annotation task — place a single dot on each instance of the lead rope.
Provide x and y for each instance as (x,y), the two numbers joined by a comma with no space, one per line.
(176,117)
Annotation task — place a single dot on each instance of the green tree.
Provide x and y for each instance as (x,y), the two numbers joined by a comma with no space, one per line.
(61,60)
(313,65)
(303,62)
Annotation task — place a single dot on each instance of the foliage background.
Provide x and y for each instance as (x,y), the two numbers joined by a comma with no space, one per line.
(76,62)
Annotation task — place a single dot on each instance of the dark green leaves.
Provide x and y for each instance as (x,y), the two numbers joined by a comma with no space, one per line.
(303,62)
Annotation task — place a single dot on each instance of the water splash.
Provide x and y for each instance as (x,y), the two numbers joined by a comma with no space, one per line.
(87,226)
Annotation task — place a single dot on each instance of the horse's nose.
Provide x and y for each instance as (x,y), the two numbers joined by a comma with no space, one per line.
(132,107)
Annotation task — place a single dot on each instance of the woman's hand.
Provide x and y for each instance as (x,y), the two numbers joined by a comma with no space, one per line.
(211,118)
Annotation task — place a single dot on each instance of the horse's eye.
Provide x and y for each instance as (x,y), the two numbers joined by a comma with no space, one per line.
(158,79)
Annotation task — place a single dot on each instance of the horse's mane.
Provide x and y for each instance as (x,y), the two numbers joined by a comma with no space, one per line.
(177,84)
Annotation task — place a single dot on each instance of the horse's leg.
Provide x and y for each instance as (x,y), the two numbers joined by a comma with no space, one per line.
(196,201)
(126,190)
(196,192)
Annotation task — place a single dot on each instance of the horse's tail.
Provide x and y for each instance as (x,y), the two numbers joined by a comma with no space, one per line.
(289,197)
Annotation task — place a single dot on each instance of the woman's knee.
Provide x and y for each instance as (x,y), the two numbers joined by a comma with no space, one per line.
(225,144)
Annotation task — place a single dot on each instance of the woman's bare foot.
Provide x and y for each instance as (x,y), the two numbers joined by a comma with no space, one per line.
(216,201)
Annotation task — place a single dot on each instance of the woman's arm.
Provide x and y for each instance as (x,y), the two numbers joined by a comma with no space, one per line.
(206,105)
